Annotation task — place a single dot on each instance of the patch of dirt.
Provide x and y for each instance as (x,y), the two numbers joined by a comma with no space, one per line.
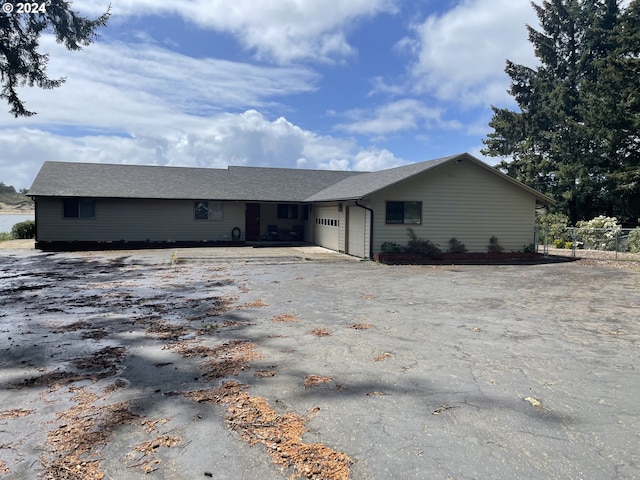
(257,422)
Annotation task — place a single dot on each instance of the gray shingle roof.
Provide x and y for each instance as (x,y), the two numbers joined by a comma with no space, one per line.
(66,179)
(136,181)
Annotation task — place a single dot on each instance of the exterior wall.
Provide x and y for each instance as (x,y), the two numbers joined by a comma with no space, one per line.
(461,200)
(136,220)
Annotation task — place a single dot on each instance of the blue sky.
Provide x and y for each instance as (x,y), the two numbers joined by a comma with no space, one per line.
(359,85)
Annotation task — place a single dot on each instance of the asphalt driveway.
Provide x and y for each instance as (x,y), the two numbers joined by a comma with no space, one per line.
(182,364)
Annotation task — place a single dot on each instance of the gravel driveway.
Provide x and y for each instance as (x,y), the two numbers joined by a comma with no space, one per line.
(182,364)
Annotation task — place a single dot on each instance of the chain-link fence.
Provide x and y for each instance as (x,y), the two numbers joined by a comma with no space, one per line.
(609,243)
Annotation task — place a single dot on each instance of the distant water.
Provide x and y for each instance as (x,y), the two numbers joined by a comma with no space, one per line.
(8,221)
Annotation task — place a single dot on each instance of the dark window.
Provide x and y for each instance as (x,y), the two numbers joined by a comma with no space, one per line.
(201,211)
(404,213)
(79,208)
(286,210)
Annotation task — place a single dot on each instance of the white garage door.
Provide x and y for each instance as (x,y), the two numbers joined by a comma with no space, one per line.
(356,232)
(327,227)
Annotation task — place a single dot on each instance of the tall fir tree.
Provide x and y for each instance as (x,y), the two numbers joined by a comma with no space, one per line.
(21,61)
(574,137)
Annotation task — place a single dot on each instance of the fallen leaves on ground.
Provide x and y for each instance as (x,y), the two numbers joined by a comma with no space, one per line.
(150,448)
(254,304)
(166,331)
(320,332)
(104,359)
(442,409)
(285,317)
(15,413)
(315,380)
(80,430)
(383,356)
(536,403)
(224,360)
(257,422)
(361,326)
(72,327)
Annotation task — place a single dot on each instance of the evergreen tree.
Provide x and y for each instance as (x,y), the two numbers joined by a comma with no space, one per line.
(576,135)
(21,62)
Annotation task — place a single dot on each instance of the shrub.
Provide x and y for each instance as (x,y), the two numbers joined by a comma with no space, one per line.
(391,247)
(24,229)
(599,233)
(531,248)
(558,243)
(456,246)
(422,246)
(4,236)
(634,240)
(494,246)
(553,228)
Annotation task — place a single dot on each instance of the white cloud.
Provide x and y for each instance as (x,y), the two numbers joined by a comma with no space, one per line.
(141,87)
(398,116)
(460,55)
(237,139)
(281,31)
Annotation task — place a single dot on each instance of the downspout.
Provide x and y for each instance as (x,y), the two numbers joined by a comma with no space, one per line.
(370,229)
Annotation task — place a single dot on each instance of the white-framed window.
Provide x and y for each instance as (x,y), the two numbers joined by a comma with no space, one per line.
(404,213)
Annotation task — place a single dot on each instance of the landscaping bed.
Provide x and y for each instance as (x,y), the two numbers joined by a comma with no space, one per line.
(476,258)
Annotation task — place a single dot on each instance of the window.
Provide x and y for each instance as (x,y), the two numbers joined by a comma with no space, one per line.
(404,213)
(205,210)
(79,208)
(201,211)
(286,210)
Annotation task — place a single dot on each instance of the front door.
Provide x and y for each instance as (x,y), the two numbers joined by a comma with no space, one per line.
(252,221)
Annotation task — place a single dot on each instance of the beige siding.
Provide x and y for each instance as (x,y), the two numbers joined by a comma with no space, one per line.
(137,220)
(464,201)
